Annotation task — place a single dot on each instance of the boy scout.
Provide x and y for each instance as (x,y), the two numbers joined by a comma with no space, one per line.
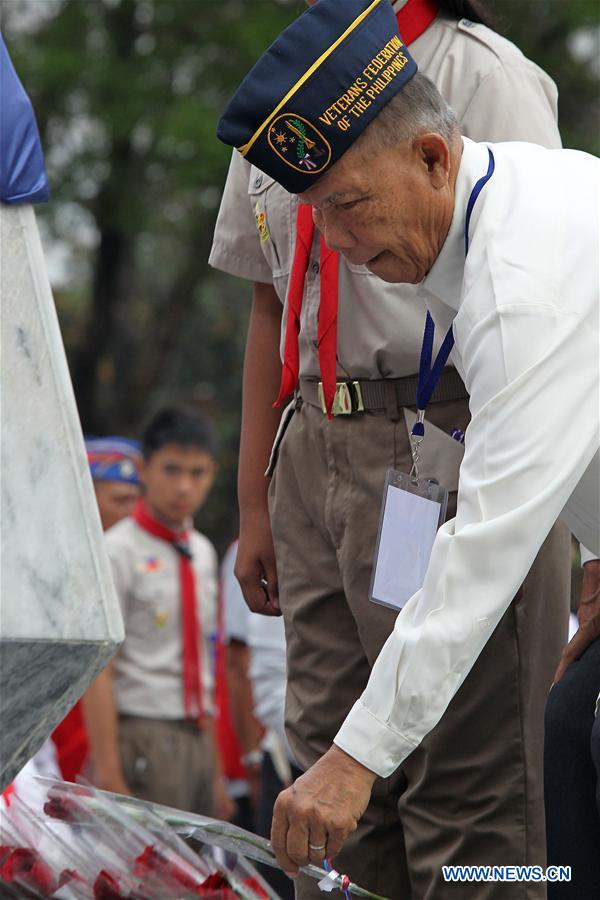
(152,735)
(326,490)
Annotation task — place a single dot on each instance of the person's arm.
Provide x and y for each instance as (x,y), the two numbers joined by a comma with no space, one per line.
(589,604)
(262,373)
(237,250)
(588,615)
(101,720)
(224,807)
(249,731)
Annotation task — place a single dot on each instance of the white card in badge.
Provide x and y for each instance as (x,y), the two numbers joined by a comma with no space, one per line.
(411,513)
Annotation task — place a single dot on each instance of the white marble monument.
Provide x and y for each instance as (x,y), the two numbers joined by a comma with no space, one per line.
(59,617)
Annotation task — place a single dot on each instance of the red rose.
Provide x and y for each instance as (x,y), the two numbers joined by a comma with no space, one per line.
(106,887)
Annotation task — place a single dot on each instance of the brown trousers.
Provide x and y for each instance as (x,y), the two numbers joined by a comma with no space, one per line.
(169,762)
(471,793)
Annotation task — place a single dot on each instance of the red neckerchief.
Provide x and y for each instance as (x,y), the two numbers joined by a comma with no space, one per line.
(413,19)
(190,622)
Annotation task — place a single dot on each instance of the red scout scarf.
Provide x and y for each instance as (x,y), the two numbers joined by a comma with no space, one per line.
(190,624)
(413,19)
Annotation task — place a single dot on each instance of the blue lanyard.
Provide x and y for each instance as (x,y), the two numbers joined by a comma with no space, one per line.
(430,375)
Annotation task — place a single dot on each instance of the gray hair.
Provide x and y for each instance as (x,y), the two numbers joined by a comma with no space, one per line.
(416,109)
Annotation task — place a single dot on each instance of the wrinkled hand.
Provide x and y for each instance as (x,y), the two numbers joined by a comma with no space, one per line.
(255,561)
(322,808)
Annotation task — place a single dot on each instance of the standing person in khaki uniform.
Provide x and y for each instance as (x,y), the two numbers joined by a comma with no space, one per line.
(150,714)
(325,497)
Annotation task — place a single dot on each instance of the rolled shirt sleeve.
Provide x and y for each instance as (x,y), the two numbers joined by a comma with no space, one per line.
(587,555)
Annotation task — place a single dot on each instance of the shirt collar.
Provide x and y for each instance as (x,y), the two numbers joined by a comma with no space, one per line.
(444,279)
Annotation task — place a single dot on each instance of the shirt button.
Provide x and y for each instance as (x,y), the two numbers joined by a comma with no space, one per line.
(258,181)
(315,268)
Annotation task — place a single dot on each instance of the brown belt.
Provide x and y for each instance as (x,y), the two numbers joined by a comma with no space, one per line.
(181,724)
(390,394)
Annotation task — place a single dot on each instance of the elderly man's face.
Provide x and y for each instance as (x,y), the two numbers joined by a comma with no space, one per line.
(388,209)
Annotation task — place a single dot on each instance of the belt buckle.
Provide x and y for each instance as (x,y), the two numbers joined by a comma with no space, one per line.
(346,400)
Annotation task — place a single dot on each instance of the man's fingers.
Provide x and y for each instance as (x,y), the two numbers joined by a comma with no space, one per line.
(578,644)
(279,835)
(256,600)
(255,590)
(321,809)
(317,844)
(297,842)
(299,834)
(338,835)
(568,656)
(272,586)
(258,581)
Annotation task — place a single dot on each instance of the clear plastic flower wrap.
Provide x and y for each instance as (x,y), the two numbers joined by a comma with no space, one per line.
(152,834)
(85,845)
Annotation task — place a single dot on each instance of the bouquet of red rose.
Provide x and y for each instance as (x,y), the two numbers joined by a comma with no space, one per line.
(107,846)
(85,846)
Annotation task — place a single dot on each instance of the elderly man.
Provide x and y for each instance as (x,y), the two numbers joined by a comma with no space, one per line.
(487,233)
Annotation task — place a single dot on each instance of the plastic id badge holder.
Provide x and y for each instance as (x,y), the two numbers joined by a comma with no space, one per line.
(413,508)
(411,513)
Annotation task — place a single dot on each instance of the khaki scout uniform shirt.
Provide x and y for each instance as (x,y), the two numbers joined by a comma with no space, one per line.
(148,669)
(497,95)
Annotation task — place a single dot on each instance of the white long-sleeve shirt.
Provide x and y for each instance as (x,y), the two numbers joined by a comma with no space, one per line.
(524,308)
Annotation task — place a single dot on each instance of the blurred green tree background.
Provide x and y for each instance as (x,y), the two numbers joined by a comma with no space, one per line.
(127,95)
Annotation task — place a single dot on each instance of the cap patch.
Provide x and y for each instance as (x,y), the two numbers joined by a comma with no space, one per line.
(299,144)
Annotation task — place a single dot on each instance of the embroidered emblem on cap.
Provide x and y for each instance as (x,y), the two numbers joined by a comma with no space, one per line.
(299,144)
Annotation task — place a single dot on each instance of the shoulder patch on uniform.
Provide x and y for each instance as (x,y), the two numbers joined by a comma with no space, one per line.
(496,44)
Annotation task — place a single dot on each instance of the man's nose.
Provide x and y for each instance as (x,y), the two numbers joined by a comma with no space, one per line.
(337,237)
(184,483)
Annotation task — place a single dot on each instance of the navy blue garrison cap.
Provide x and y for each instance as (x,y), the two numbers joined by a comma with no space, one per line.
(316,88)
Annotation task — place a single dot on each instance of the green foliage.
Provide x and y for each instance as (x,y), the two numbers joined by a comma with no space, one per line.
(563,37)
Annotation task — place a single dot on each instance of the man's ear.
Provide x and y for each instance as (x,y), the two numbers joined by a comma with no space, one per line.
(434,152)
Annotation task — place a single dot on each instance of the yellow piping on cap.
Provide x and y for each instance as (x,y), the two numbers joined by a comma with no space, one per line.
(246,147)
